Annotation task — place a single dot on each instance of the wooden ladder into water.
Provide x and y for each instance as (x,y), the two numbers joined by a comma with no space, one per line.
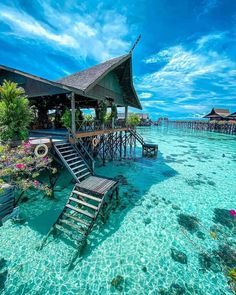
(148,149)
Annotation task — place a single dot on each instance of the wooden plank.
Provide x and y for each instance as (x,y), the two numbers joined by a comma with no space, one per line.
(80,211)
(87,196)
(84,203)
(99,132)
(75,218)
(74,226)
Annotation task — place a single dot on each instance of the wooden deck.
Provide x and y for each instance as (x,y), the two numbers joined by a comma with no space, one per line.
(98,184)
(99,132)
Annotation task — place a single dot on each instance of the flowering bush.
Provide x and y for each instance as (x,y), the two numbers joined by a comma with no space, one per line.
(20,167)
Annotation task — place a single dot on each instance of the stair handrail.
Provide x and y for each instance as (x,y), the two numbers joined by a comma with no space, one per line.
(77,140)
(137,136)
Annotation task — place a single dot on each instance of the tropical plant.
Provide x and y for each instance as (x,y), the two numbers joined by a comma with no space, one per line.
(15,112)
(21,168)
(101,112)
(88,118)
(66,118)
(133,119)
(114,112)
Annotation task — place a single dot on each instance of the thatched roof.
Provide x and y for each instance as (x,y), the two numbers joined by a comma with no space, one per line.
(85,78)
(86,84)
(217,113)
(232,116)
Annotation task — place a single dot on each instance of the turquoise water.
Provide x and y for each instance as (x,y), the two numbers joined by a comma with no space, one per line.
(171,233)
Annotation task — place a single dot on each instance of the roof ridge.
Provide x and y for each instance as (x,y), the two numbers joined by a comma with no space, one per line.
(96,65)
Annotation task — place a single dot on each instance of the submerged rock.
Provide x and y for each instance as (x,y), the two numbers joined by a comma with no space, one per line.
(3,263)
(175,207)
(144,269)
(212,183)
(223,217)
(176,289)
(179,256)
(117,282)
(226,256)
(3,278)
(189,222)
(147,221)
(201,235)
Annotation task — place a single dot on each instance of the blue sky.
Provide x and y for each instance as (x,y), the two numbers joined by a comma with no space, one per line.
(184,65)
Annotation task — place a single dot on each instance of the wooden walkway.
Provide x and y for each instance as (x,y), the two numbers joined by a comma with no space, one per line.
(99,132)
(97,184)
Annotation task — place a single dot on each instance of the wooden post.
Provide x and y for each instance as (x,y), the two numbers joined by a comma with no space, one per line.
(126,115)
(73,128)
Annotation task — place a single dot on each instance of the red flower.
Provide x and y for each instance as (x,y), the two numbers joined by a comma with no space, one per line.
(36,183)
(232,213)
(20,166)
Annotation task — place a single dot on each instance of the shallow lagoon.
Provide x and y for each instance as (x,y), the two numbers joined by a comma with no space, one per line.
(167,235)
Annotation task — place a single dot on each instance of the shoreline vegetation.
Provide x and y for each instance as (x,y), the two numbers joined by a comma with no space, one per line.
(226,127)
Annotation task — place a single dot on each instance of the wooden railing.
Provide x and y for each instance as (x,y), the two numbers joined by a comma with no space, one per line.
(82,150)
(95,125)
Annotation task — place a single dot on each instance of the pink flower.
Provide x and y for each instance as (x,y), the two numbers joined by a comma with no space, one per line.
(20,166)
(27,144)
(232,213)
(36,183)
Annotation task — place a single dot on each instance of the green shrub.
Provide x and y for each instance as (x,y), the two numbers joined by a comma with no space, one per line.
(66,118)
(15,112)
(133,119)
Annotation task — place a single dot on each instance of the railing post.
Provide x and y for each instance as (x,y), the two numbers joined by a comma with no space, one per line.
(126,115)
(73,128)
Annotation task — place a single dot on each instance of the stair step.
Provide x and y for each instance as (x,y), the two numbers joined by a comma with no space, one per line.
(73,154)
(65,231)
(84,203)
(87,196)
(69,160)
(80,171)
(66,152)
(59,145)
(64,147)
(77,163)
(74,226)
(80,211)
(75,169)
(82,176)
(75,218)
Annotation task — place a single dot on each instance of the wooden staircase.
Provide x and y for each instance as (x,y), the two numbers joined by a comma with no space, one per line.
(79,215)
(73,160)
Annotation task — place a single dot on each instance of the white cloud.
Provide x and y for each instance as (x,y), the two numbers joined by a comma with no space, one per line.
(99,36)
(145,95)
(195,76)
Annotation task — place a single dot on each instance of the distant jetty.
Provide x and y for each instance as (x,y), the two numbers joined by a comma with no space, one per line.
(227,127)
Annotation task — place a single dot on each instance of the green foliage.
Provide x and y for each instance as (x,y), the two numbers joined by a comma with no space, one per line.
(133,119)
(88,118)
(15,112)
(66,118)
(101,112)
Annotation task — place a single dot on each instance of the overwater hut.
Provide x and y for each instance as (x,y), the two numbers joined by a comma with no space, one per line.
(110,84)
(218,114)
(232,116)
